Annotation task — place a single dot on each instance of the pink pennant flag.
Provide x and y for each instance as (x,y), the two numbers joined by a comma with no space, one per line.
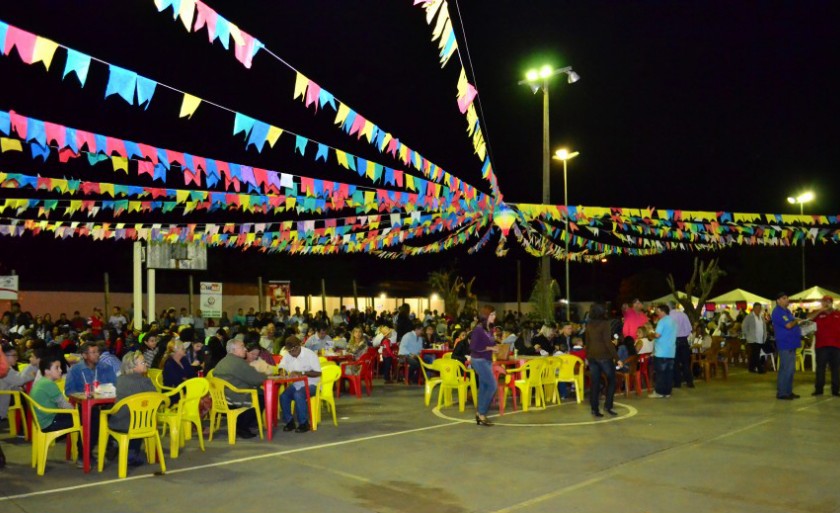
(465,101)
(19,123)
(190,177)
(144,167)
(23,40)
(175,156)
(113,145)
(260,176)
(358,125)
(312,93)
(199,163)
(86,138)
(245,53)
(57,133)
(150,152)
(205,15)
(398,177)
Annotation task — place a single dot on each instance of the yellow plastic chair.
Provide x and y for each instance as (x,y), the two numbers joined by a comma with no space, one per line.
(325,393)
(143,425)
(16,413)
(447,356)
(453,376)
(156,375)
(571,371)
(210,373)
(42,441)
(430,382)
(221,407)
(549,378)
(530,386)
(182,416)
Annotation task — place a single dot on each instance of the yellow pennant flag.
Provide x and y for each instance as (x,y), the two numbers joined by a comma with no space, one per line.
(341,115)
(44,51)
(181,195)
(189,105)
(7,144)
(274,133)
(186,13)
(340,156)
(236,35)
(120,163)
(107,188)
(301,83)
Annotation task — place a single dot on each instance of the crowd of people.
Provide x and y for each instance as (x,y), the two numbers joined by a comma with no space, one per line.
(242,349)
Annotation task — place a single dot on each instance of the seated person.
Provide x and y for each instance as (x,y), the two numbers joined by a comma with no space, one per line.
(577,348)
(252,356)
(14,380)
(46,393)
(176,366)
(235,370)
(626,348)
(319,341)
(461,346)
(643,344)
(132,380)
(410,347)
(386,349)
(543,342)
(299,361)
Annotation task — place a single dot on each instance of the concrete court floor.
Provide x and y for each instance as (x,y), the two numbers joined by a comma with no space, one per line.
(725,446)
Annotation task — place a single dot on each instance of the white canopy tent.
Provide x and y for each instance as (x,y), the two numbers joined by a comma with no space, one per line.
(813,294)
(739,296)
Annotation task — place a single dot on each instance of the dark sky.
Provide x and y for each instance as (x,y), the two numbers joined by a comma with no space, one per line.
(689,105)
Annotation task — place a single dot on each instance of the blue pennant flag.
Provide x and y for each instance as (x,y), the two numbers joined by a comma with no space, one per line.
(323,150)
(79,63)
(5,122)
(122,82)
(300,144)
(259,132)
(39,150)
(145,90)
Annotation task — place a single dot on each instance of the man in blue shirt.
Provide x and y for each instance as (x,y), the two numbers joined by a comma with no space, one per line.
(90,370)
(410,346)
(788,339)
(665,346)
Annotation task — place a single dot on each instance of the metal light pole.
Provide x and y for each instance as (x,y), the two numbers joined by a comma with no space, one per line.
(803,198)
(566,156)
(537,80)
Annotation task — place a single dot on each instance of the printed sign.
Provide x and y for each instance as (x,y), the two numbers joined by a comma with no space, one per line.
(9,287)
(211,299)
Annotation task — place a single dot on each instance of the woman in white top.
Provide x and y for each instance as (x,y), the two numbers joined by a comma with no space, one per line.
(643,344)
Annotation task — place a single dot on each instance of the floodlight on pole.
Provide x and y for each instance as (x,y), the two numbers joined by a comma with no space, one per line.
(805,197)
(566,155)
(536,80)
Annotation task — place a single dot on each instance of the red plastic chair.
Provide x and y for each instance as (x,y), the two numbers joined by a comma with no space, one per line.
(643,371)
(365,364)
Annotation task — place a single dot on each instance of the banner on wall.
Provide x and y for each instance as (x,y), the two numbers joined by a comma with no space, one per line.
(280,295)
(211,299)
(9,288)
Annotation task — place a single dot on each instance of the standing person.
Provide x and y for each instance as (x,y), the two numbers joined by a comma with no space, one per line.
(634,318)
(482,347)
(788,339)
(682,356)
(664,349)
(602,355)
(827,346)
(755,333)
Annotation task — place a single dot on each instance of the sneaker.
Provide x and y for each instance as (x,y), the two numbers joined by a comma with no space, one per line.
(654,395)
(303,428)
(80,463)
(612,412)
(290,426)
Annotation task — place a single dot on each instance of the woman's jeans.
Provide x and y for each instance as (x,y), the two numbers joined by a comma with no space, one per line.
(486,383)
(596,369)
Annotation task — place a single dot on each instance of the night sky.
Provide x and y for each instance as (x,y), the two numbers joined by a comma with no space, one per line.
(687,105)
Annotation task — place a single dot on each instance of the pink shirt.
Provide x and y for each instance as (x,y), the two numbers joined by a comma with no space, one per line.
(633,320)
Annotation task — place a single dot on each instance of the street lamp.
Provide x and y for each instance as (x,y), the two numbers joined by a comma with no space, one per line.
(536,80)
(566,156)
(805,197)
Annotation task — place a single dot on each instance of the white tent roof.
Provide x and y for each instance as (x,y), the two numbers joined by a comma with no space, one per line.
(813,294)
(739,295)
(670,297)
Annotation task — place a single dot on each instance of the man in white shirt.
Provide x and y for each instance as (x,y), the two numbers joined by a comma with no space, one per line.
(755,333)
(117,319)
(298,361)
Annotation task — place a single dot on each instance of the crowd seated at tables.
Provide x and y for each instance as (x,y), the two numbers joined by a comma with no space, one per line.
(243,349)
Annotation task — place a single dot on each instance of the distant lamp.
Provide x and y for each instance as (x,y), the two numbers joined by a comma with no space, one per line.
(791,200)
(546,71)
(573,77)
(564,154)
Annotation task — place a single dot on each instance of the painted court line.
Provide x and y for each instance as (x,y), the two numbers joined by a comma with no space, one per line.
(226,462)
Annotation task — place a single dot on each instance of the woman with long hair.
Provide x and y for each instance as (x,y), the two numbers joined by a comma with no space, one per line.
(482,347)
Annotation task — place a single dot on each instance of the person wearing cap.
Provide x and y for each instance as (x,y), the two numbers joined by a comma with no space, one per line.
(755,333)
(298,361)
(788,340)
(827,345)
